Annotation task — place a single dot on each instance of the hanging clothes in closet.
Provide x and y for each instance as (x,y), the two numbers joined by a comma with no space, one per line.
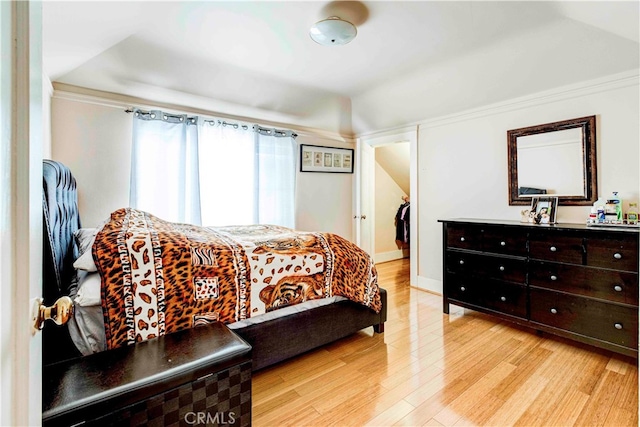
(402,224)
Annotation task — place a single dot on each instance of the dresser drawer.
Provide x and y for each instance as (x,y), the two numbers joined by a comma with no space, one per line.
(619,253)
(491,294)
(612,323)
(557,248)
(599,283)
(486,266)
(488,239)
(502,240)
(464,237)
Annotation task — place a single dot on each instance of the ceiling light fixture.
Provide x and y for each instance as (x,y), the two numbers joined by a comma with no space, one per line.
(333,31)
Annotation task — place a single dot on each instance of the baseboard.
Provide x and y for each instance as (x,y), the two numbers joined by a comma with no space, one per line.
(390,256)
(430,285)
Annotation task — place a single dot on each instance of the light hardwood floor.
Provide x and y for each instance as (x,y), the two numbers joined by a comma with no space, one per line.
(433,369)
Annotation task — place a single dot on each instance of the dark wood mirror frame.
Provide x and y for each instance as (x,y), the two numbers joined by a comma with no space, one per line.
(590,176)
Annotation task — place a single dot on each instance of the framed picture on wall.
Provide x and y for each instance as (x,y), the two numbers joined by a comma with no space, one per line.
(314,158)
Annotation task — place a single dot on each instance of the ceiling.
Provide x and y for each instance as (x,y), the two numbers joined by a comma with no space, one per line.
(411,60)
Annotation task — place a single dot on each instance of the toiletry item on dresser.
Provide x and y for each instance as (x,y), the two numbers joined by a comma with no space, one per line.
(618,203)
(598,205)
(613,208)
(632,213)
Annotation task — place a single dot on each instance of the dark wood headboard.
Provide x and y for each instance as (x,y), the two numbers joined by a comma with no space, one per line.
(61,220)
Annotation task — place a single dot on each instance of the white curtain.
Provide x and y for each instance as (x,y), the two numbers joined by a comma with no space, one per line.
(275,178)
(226,175)
(212,173)
(247,175)
(164,166)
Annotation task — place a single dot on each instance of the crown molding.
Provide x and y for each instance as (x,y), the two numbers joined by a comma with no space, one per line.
(115,100)
(577,90)
(403,132)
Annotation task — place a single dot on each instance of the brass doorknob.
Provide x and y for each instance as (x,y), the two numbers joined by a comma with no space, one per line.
(60,312)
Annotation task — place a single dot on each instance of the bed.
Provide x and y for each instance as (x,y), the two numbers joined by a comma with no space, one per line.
(275,329)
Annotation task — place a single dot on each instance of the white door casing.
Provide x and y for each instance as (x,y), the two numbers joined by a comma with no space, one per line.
(21,135)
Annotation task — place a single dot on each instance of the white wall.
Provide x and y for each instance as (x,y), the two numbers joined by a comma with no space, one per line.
(324,200)
(462,159)
(94,140)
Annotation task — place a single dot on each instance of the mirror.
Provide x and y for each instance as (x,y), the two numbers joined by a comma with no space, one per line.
(557,159)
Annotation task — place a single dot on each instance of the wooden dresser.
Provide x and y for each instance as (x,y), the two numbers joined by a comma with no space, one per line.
(566,279)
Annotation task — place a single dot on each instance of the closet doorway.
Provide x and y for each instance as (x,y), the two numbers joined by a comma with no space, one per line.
(392,202)
(387,173)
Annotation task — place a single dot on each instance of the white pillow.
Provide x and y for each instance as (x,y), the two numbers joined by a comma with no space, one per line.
(85,237)
(88,290)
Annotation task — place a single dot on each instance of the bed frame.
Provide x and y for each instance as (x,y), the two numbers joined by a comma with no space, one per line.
(272,341)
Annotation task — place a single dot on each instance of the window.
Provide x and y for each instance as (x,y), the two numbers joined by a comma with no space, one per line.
(164,167)
(229,174)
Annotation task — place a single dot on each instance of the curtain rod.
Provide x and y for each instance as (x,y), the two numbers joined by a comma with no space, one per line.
(212,122)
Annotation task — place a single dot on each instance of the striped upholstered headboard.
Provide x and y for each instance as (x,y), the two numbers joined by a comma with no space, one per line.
(61,220)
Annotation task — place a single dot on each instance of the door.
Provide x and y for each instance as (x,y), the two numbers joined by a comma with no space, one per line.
(20,211)
(365,185)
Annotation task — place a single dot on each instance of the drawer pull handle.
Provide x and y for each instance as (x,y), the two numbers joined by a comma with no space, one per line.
(462,288)
(617,288)
(554,278)
(502,268)
(503,243)
(553,249)
(503,299)
(462,239)
(617,255)
(618,325)
(205,376)
(554,311)
(461,262)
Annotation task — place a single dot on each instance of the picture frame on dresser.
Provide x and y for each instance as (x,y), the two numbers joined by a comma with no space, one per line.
(545,209)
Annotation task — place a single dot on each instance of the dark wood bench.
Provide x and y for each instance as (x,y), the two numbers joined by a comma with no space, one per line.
(201,375)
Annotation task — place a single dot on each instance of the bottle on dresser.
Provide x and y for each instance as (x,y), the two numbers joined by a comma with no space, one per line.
(632,213)
(598,207)
(613,209)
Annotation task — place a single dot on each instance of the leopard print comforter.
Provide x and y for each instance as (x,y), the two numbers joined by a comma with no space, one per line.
(159,277)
